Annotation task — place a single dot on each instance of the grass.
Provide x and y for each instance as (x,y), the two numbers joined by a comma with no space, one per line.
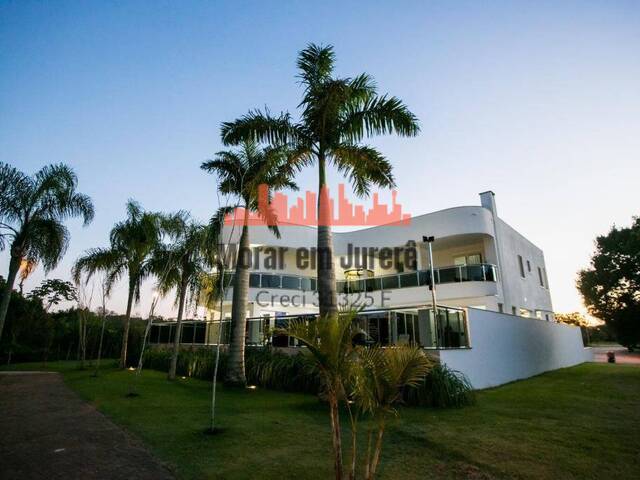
(581,422)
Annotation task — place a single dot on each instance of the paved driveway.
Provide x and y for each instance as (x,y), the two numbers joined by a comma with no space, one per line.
(48,432)
(622,355)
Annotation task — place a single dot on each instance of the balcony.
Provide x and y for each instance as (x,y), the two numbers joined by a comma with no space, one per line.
(483,272)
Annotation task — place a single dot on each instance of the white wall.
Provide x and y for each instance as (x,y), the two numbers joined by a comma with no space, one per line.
(506,348)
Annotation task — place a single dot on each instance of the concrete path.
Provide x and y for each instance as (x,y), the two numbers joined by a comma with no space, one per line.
(48,432)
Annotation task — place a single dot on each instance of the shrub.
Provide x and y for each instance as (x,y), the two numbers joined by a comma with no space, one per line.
(442,387)
(268,368)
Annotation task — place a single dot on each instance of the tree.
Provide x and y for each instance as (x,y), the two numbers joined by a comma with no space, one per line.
(53,291)
(329,342)
(132,243)
(574,318)
(379,377)
(336,114)
(32,214)
(240,173)
(610,286)
(180,266)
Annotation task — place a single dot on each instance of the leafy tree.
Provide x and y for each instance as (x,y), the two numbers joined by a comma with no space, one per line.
(336,115)
(180,266)
(610,286)
(132,243)
(240,174)
(573,318)
(32,212)
(53,291)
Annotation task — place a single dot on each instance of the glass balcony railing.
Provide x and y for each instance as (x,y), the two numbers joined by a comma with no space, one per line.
(483,272)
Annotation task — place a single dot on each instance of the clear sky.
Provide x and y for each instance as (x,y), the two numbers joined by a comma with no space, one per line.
(537,101)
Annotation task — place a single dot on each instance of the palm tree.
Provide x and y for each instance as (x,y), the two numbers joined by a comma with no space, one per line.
(378,378)
(32,212)
(330,349)
(132,242)
(241,172)
(336,114)
(181,265)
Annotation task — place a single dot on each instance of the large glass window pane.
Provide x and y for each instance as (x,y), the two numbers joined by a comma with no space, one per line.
(313,285)
(292,283)
(474,259)
(187,333)
(341,286)
(200,333)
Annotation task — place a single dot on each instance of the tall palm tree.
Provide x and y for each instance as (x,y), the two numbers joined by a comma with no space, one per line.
(240,173)
(32,212)
(132,242)
(336,114)
(180,266)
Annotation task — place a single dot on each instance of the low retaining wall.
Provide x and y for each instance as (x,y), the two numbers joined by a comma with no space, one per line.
(507,347)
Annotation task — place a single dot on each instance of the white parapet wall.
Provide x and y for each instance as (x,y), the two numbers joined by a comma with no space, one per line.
(505,348)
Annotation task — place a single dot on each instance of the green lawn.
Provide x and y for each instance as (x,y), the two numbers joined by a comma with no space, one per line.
(582,422)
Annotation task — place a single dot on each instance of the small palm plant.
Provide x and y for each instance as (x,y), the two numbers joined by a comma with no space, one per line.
(32,212)
(379,378)
(329,342)
(241,173)
(132,243)
(180,266)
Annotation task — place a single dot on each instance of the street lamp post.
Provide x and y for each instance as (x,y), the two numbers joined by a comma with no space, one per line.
(429,240)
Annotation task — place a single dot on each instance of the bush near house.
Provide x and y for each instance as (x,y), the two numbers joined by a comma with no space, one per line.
(267,368)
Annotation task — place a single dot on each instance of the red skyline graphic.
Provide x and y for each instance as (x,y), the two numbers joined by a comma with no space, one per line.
(304,211)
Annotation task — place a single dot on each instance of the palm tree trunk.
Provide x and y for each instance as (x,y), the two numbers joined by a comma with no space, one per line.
(14,266)
(127,320)
(327,296)
(176,338)
(336,436)
(235,372)
(377,450)
(104,318)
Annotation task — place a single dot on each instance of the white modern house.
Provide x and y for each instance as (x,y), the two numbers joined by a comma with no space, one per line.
(494,317)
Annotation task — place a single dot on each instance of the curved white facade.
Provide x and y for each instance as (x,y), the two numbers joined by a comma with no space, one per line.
(480,262)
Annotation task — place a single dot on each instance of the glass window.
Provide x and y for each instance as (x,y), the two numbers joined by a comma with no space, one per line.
(540,277)
(461,260)
(254,280)
(528,266)
(474,259)
(313,285)
(521,265)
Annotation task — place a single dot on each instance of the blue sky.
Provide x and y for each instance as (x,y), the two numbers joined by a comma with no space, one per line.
(537,101)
